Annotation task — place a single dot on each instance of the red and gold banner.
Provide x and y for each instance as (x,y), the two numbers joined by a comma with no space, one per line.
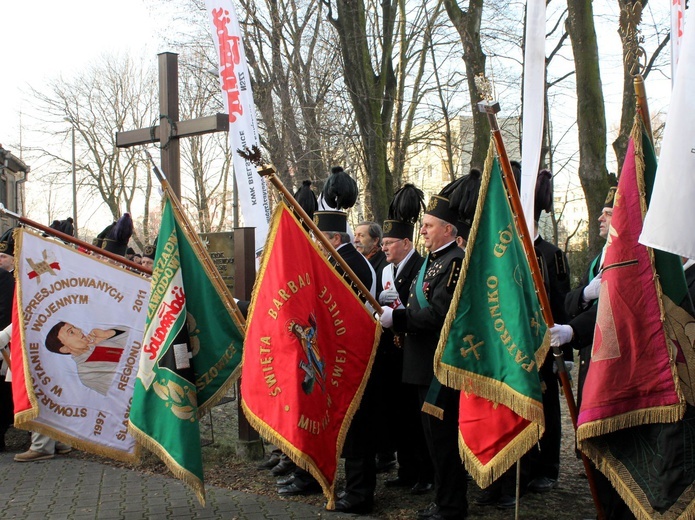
(310,343)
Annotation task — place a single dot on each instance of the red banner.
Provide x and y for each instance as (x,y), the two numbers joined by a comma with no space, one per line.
(310,343)
(630,355)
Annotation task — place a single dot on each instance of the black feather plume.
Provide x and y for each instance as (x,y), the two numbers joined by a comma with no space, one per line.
(407,204)
(306,198)
(463,196)
(123,229)
(340,190)
(544,193)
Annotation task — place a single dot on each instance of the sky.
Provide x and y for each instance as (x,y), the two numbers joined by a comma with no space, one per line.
(43,39)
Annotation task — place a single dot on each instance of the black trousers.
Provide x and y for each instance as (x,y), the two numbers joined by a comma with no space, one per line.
(442,440)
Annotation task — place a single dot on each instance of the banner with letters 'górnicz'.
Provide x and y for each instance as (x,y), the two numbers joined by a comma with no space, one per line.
(81,320)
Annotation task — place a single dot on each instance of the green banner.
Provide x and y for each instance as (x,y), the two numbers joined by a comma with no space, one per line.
(191,352)
(493,339)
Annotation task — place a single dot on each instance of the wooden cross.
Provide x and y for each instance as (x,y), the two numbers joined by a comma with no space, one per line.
(169,125)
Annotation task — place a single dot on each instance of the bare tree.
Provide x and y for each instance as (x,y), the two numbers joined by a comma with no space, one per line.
(111,95)
(591,118)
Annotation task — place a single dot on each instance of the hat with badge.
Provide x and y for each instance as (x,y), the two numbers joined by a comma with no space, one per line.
(610,197)
(7,242)
(404,212)
(150,250)
(442,206)
(463,200)
(339,193)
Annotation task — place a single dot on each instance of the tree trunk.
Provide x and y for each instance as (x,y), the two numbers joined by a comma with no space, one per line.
(591,118)
(467,24)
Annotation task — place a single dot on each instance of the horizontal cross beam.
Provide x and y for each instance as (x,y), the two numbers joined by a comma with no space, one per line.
(202,125)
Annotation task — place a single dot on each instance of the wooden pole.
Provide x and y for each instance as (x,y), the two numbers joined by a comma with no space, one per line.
(76,241)
(199,249)
(269,173)
(491,109)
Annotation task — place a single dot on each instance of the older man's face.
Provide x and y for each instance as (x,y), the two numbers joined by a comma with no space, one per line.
(604,222)
(435,231)
(147,262)
(364,243)
(6,261)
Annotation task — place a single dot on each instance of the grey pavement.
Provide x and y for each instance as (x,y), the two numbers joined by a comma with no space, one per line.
(69,488)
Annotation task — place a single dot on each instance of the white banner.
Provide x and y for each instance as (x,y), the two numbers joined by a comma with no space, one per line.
(533,106)
(668,224)
(677,22)
(238,102)
(83,321)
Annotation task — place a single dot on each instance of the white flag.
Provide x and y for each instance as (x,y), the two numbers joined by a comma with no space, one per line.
(677,22)
(533,106)
(238,102)
(82,323)
(669,222)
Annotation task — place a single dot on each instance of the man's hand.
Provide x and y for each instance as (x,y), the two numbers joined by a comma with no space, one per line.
(388,296)
(97,335)
(592,290)
(560,334)
(386,318)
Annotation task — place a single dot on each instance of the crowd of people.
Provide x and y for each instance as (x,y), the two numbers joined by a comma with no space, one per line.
(392,427)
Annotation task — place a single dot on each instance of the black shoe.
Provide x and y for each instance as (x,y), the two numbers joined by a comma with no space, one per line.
(298,487)
(488,497)
(283,467)
(385,462)
(400,482)
(271,462)
(285,481)
(424,514)
(354,505)
(542,484)
(420,488)
(506,502)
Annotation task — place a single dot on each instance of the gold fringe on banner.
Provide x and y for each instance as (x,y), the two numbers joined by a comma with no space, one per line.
(484,475)
(265,430)
(465,380)
(177,470)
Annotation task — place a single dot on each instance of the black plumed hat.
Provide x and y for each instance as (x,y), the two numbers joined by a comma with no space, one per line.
(404,212)
(339,193)
(543,199)
(340,190)
(117,239)
(306,198)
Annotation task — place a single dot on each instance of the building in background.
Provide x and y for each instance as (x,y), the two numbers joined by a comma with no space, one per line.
(13,175)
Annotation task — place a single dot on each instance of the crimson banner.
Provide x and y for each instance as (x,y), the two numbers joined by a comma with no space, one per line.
(310,343)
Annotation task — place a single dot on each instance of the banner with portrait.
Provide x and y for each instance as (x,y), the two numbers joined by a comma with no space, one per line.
(81,321)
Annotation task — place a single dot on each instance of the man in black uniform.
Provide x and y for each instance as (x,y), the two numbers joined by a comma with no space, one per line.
(359,449)
(6,294)
(399,413)
(421,322)
(581,305)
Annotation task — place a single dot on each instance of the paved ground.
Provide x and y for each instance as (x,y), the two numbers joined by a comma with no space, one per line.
(68,488)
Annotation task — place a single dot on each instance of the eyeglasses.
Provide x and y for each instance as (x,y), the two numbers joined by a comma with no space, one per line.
(391,242)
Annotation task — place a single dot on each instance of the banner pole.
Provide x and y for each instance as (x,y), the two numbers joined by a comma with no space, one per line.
(491,108)
(269,173)
(76,241)
(198,246)
(642,106)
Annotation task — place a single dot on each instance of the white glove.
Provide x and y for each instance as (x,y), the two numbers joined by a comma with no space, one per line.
(386,318)
(592,290)
(560,334)
(388,296)
(5,336)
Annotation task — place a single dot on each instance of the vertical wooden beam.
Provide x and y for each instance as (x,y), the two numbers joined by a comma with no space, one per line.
(168,116)
(250,444)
